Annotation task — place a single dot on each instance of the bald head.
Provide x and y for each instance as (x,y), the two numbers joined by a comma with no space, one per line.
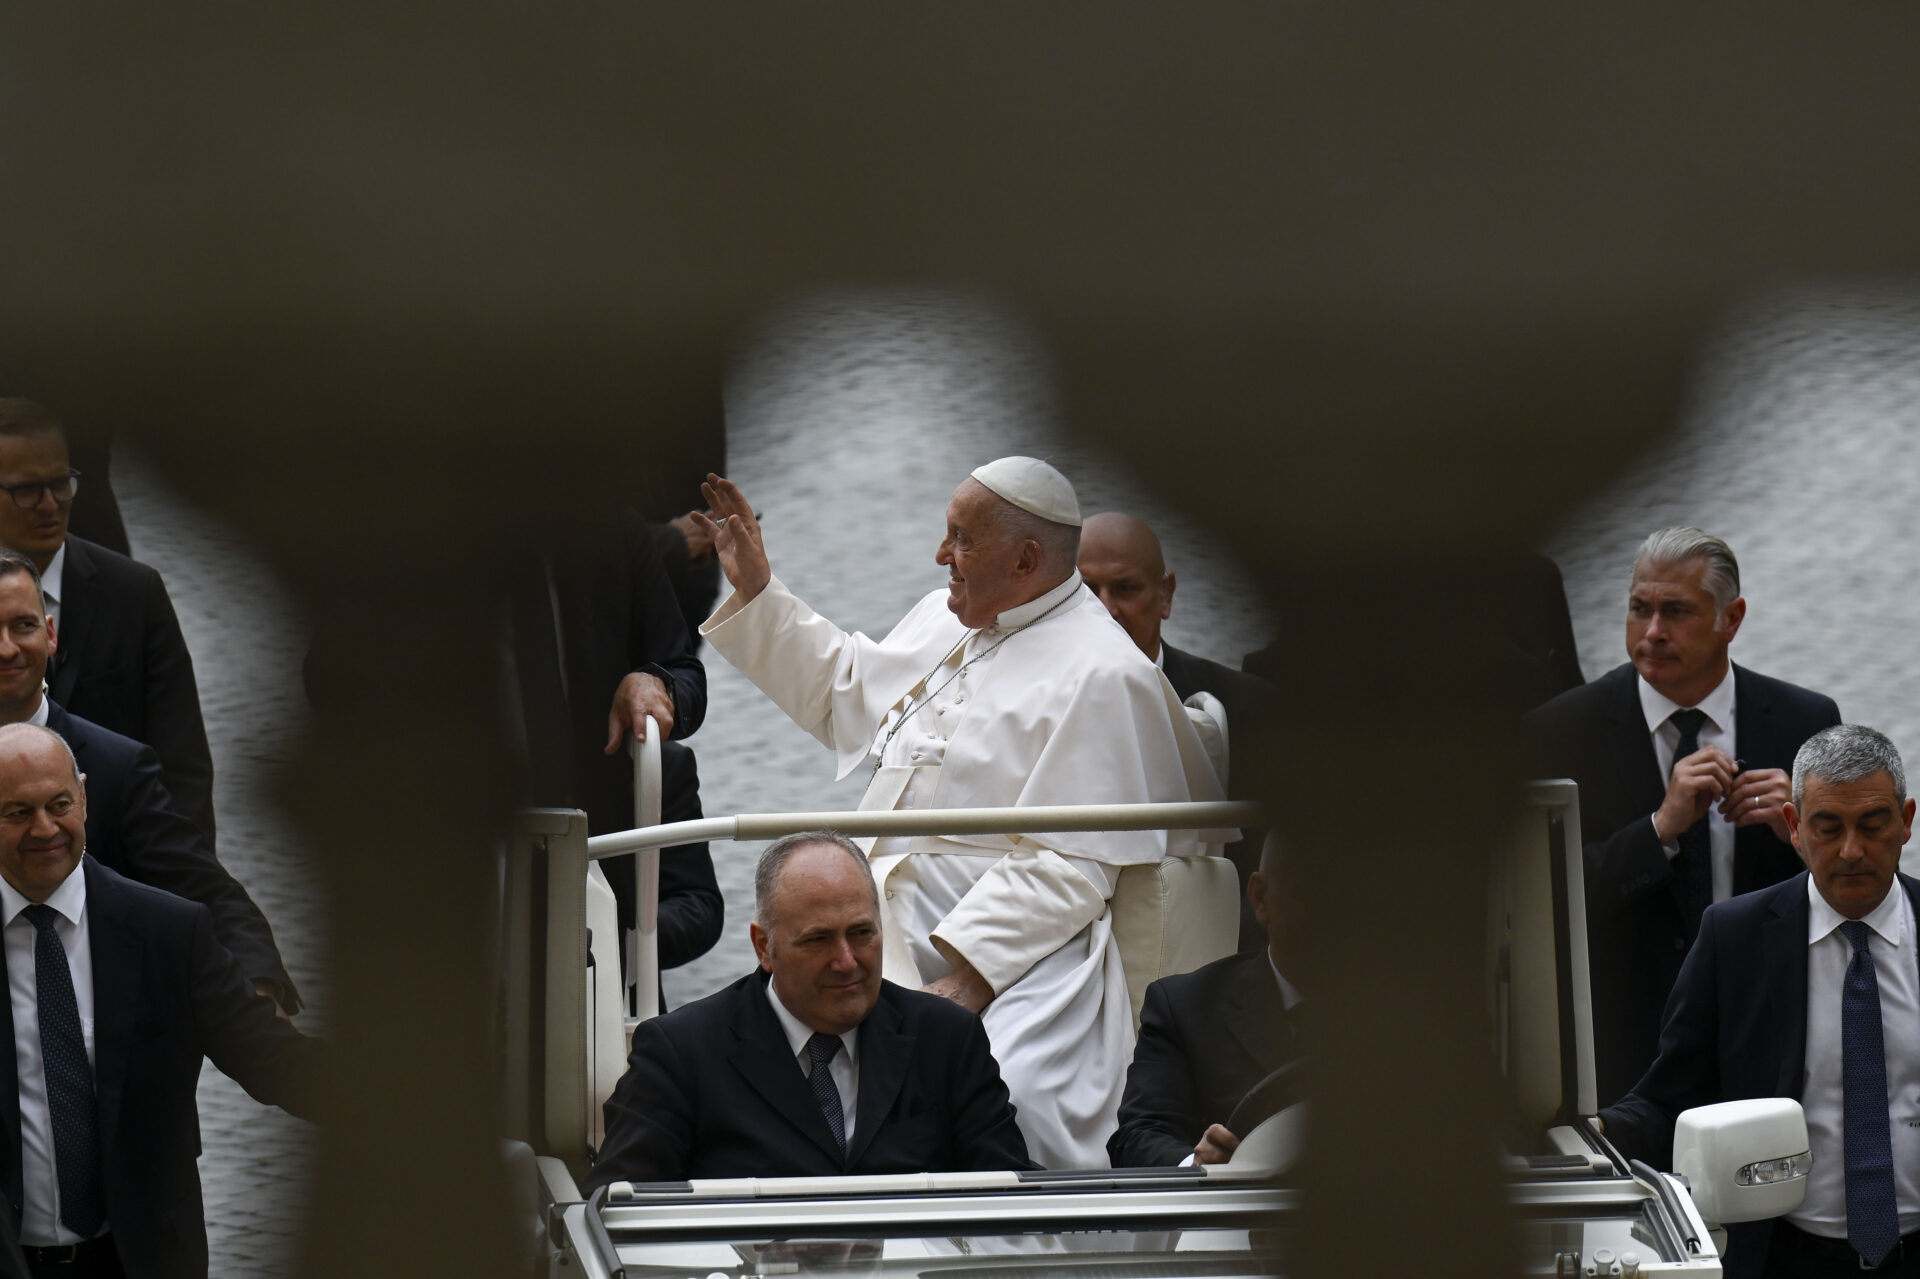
(1121,562)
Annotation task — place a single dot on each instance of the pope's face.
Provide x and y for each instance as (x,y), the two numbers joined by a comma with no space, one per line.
(982,561)
(43,815)
(821,940)
(1850,835)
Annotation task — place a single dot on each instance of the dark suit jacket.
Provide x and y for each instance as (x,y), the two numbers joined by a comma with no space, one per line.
(122,664)
(1736,1028)
(133,827)
(711,1090)
(1206,1038)
(1251,706)
(1636,931)
(617,614)
(165,995)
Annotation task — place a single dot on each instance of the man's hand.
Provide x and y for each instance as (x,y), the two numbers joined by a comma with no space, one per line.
(699,541)
(1758,795)
(640,694)
(736,536)
(1697,781)
(963,986)
(1216,1146)
(271,989)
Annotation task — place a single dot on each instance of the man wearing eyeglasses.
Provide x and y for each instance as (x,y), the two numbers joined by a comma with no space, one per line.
(122,662)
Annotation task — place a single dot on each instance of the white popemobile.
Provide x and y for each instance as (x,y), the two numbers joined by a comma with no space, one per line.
(1582,1208)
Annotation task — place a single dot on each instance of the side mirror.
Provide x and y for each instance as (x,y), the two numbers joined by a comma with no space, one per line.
(1743,1160)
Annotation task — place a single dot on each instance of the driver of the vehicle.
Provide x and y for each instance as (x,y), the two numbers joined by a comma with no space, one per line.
(812,1065)
(1208,1037)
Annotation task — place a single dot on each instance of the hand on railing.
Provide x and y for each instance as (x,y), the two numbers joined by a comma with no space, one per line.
(640,694)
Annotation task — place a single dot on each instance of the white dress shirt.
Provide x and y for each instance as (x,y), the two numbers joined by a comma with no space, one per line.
(1890,942)
(845,1066)
(53,580)
(40,1184)
(1717,731)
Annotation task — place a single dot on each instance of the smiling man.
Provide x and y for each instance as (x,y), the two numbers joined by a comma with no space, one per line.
(1681,757)
(132,823)
(117,991)
(813,1065)
(1009,687)
(1809,990)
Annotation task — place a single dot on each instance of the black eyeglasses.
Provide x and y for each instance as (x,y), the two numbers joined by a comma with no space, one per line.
(28,495)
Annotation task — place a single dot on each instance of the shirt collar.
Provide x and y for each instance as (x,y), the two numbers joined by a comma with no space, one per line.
(1288,995)
(39,715)
(1160,656)
(69,900)
(1026,614)
(56,574)
(798,1032)
(1889,918)
(1658,707)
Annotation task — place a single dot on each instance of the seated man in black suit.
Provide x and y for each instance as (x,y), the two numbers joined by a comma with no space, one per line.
(1809,990)
(132,825)
(1120,561)
(1207,1037)
(124,664)
(117,992)
(813,1066)
(1681,758)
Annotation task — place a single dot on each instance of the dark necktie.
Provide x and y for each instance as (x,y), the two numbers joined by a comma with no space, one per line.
(63,1053)
(1873,1219)
(1693,867)
(820,1051)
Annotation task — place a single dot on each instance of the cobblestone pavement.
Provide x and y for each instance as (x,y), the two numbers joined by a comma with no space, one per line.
(247,646)
(854,416)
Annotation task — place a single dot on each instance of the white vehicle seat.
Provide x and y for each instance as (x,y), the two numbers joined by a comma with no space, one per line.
(1172,916)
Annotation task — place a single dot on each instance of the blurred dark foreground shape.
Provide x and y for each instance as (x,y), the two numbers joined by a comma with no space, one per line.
(1376,292)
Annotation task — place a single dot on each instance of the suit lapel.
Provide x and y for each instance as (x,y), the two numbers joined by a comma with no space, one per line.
(116,987)
(76,605)
(1783,979)
(1755,740)
(1256,1016)
(885,1051)
(763,1059)
(1631,746)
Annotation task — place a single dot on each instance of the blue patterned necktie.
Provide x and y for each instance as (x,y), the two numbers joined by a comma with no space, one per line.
(1873,1218)
(820,1051)
(1694,864)
(76,1146)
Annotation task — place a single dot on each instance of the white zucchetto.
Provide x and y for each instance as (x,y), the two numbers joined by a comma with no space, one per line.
(1033,486)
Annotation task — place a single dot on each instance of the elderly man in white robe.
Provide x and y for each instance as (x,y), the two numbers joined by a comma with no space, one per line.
(1012,686)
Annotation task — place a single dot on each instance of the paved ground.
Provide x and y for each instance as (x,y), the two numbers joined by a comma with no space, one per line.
(853,420)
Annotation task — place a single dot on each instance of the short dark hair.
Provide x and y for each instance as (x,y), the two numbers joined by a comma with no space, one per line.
(766,874)
(12,562)
(20,416)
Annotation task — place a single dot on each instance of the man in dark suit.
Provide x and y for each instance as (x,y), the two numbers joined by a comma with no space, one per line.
(600,644)
(1659,851)
(132,825)
(123,663)
(1207,1037)
(117,992)
(1810,990)
(813,1066)
(1120,560)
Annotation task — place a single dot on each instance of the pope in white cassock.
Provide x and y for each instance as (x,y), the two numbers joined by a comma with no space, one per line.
(1012,686)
